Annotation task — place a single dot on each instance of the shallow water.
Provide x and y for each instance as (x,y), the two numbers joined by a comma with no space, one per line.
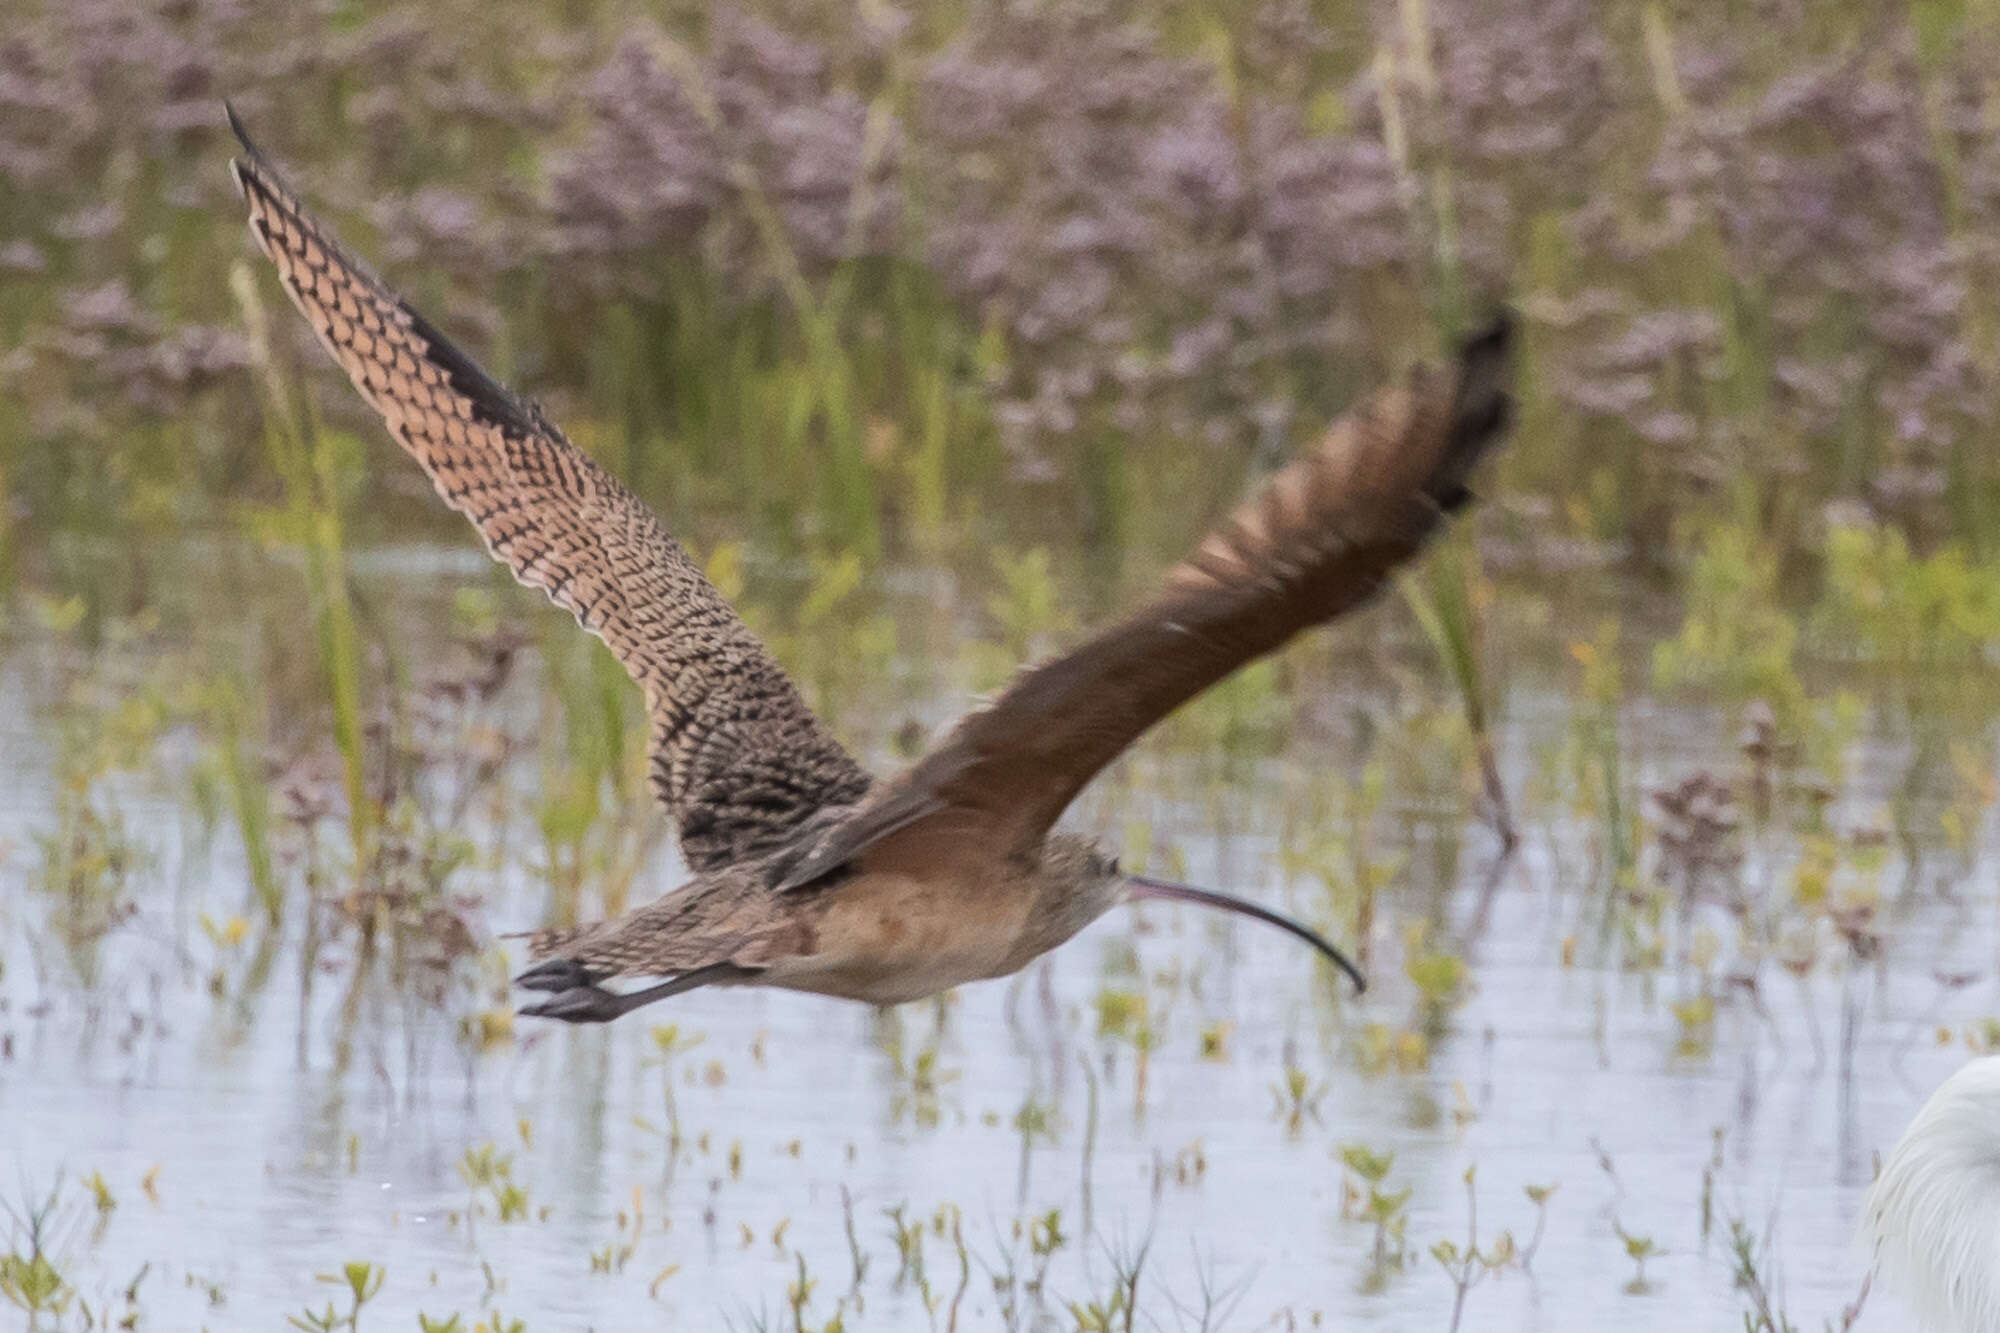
(257,1139)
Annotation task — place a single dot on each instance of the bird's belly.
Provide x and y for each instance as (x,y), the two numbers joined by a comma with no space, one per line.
(877,986)
(887,940)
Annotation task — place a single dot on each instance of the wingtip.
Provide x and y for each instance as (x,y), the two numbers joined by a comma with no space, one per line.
(240,168)
(1495,338)
(1482,407)
(253,165)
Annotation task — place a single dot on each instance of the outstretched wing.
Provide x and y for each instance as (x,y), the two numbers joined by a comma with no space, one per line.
(1320,539)
(737,757)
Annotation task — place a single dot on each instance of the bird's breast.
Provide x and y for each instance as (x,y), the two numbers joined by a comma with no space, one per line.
(888,938)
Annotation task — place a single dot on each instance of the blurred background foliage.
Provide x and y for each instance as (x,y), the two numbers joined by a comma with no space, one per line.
(892,280)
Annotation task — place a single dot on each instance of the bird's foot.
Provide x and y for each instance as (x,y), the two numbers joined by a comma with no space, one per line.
(578,1004)
(557,974)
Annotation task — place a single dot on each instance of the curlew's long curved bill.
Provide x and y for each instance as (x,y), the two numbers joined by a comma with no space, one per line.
(1168,891)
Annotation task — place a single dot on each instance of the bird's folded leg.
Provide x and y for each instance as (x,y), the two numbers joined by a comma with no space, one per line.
(594,1004)
(578,1004)
(557,974)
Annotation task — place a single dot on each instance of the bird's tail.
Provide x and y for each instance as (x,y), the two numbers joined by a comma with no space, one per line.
(700,925)
(552,940)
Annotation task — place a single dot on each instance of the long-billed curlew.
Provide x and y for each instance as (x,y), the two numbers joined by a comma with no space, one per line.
(807,874)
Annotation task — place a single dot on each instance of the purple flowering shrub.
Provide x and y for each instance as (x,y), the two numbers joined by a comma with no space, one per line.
(1158,257)
(746,158)
(1749,259)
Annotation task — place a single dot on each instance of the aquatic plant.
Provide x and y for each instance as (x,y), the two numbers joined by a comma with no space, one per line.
(1115,1311)
(1467,1267)
(89,858)
(1341,853)
(598,823)
(485,1169)
(922,1079)
(31,1267)
(364,1283)
(1027,610)
(1375,1203)
(1539,1196)
(1442,597)
(1439,975)
(1297,1098)
(668,1043)
(248,794)
(318,470)
(1594,761)
(1638,1249)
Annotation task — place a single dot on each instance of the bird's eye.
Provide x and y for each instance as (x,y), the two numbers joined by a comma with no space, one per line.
(1113,867)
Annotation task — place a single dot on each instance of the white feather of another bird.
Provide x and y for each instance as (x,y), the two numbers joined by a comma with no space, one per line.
(1934,1212)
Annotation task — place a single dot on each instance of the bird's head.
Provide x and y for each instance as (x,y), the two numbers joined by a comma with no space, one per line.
(1093,883)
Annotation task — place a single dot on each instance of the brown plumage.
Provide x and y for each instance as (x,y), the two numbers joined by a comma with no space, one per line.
(736,755)
(805,876)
